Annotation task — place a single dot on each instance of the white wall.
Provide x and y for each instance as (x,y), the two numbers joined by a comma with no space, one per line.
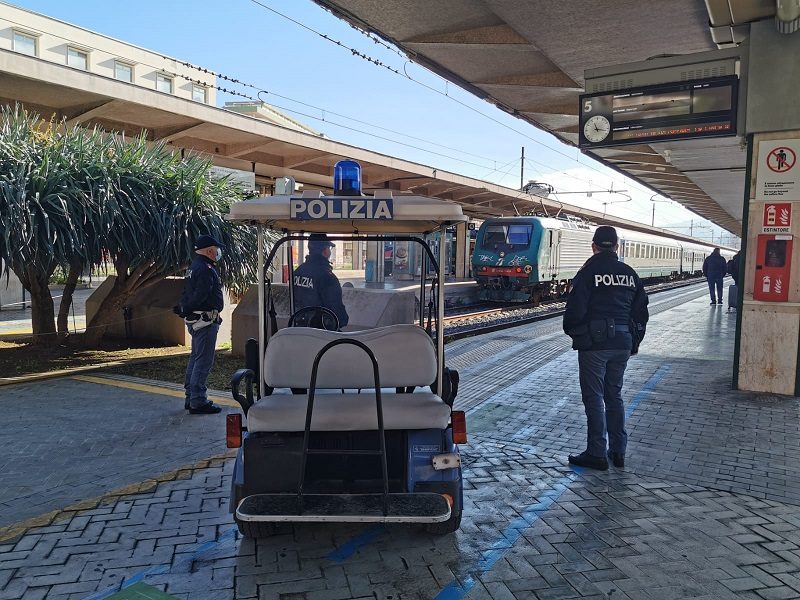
(54,37)
(10,292)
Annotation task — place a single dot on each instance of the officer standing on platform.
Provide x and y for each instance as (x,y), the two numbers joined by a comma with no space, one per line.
(200,306)
(316,285)
(605,316)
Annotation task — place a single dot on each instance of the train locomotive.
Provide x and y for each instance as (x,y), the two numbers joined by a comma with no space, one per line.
(528,259)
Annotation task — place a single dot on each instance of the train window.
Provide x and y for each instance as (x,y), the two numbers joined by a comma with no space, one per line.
(507,237)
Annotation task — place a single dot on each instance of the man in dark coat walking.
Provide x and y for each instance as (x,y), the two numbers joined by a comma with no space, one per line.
(714,268)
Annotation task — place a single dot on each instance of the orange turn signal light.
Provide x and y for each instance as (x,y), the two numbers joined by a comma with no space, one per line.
(233,431)
(459,421)
(449,499)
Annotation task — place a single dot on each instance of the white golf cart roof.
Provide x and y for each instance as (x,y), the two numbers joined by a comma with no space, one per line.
(380,213)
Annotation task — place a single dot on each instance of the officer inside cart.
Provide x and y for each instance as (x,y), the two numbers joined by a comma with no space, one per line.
(605,316)
(315,285)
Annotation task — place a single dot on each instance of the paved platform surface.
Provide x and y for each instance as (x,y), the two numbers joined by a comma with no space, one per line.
(707,506)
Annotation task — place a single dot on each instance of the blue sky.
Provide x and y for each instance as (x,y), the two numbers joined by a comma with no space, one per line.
(248,42)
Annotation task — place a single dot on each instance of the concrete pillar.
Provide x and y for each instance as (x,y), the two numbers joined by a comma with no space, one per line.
(373,272)
(462,251)
(767,351)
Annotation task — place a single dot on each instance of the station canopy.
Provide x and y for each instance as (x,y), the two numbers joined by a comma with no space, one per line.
(268,150)
(528,57)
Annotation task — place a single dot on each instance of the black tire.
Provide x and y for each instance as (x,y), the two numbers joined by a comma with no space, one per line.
(452,524)
(254,530)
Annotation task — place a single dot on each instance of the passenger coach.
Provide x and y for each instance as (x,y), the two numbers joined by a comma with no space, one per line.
(522,259)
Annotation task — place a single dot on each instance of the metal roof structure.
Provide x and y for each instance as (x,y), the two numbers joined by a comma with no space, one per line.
(528,57)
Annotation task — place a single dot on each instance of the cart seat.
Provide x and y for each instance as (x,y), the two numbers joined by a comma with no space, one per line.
(405,354)
(348,412)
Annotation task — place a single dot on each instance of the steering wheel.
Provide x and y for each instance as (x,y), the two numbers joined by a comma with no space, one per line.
(320,317)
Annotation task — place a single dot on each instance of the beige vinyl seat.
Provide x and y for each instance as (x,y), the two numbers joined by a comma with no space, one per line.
(406,357)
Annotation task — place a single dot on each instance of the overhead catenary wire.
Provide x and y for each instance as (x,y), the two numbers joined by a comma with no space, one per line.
(405,74)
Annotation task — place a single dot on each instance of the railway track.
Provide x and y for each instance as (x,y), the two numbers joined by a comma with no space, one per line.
(524,314)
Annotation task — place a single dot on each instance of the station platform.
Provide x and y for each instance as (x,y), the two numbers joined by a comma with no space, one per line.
(706,507)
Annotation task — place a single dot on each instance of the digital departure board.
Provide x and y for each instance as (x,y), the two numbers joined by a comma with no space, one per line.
(656,113)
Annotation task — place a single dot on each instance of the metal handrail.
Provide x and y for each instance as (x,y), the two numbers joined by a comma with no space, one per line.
(310,408)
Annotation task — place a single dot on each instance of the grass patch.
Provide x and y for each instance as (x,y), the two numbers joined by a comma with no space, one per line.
(23,358)
(173,370)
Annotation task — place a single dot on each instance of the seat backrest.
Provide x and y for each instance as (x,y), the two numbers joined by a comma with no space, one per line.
(405,354)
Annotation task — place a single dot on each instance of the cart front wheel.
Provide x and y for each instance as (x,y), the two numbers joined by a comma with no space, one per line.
(452,524)
(256,530)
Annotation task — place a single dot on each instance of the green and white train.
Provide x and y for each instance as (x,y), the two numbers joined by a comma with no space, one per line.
(521,259)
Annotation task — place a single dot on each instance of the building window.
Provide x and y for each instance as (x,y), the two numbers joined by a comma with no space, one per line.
(123,71)
(78,59)
(24,43)
(163,83)
(199,93)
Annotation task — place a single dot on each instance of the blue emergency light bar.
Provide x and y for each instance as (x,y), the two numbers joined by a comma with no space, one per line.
(347,178)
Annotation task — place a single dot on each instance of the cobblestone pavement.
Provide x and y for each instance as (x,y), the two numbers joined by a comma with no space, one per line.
(66,440)
(706,507)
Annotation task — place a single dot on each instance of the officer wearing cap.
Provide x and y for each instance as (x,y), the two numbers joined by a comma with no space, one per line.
(314,281)
(200,306)
(606,315)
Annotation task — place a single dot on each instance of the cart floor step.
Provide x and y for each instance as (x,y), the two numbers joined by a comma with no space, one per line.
(348,508)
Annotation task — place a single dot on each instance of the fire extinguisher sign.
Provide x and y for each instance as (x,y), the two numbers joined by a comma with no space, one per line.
(777,217)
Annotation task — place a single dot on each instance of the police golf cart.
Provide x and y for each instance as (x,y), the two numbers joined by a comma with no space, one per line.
(350,426)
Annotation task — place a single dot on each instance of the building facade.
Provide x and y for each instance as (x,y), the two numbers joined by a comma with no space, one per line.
(32,34)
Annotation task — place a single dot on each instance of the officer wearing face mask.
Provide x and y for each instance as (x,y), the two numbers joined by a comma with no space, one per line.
(200,306)
(316,285)
(605,316)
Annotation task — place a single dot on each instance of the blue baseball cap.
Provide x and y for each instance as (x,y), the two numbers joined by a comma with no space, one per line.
(206,241)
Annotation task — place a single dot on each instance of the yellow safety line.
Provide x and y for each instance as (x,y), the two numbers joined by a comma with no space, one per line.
(153,389)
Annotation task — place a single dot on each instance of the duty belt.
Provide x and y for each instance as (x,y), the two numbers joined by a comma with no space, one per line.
(201,318)
(622,328)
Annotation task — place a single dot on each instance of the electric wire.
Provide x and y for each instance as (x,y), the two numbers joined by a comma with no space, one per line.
(405,74)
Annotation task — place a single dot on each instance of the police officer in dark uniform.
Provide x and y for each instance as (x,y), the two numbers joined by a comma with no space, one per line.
(200,306)
(316,285)
(606,315)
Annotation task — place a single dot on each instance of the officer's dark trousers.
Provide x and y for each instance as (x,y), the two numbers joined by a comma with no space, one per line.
(200,362)
(715,282)
(601,373)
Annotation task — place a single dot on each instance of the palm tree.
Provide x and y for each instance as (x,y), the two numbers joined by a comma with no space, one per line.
(36,209)
(159,205)
(70,197)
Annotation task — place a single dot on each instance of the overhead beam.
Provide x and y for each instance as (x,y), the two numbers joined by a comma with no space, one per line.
(172,134)
(292,162)
(238,150)
(89,113)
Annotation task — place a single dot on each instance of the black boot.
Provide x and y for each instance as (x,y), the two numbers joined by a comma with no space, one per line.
(206,409)
(617,458)
(584,459)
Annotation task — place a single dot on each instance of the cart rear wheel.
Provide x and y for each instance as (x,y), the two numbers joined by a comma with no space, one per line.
(255,530)
(452,524)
